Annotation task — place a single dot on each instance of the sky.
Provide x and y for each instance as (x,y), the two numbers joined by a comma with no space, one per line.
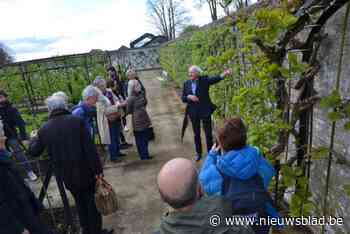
(43,28)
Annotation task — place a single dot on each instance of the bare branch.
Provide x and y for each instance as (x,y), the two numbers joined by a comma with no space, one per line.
(168,15)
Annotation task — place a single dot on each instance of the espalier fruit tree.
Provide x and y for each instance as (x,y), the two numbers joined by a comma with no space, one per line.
(269,61)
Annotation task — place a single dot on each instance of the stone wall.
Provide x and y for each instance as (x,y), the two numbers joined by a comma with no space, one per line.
(329,53)
(139,58)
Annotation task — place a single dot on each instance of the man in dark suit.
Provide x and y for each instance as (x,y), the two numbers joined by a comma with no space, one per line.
(199,106)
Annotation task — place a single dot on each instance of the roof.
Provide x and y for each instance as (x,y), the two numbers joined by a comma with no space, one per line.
(148,39)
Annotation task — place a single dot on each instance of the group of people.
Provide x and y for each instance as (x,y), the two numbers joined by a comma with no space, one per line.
(69,138)
(109,101)
(233,180)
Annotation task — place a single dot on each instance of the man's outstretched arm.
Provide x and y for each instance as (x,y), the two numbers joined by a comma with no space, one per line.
(216,79)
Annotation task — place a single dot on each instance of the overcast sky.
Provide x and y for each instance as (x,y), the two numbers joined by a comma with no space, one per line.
(43,28)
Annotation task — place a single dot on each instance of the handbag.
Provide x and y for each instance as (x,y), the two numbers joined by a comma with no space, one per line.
(105,198)
(113,113)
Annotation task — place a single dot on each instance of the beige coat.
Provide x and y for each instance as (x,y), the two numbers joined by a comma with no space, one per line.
(102,121)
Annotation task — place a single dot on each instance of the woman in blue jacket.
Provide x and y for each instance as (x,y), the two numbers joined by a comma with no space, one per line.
(240,173)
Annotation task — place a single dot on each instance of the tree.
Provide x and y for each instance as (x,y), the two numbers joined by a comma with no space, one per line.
(5,56)
(225,4)
(169,16)
(189,29)
(213,7)
(234,5)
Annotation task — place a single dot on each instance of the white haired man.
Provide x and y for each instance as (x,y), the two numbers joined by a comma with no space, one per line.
(75,160)
(199,105)
(85,109)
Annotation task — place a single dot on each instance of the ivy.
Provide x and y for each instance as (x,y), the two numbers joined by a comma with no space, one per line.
(347,189)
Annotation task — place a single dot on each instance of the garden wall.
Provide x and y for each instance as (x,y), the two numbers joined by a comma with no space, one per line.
(139,59)
(340,175)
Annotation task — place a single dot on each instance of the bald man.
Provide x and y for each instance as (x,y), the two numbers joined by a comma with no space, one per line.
(179,188)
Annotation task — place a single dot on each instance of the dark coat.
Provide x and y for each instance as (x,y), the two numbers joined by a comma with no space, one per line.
(12,119)
(71,149)
(136,106)
(204,108)
(197,220)
(19,208)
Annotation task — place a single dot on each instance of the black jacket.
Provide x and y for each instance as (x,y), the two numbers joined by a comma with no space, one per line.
(18,206)
(204,108)
(12,119)
(71,149)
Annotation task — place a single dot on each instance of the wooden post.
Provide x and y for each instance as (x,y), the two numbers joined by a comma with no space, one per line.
(87,77)
(27,89)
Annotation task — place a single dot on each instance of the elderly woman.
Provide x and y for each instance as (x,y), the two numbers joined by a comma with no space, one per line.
(106,102)
(85,109)
(132,75)
(136,106)
(74,157)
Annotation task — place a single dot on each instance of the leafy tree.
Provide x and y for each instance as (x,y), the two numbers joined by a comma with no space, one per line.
(5,56)
(213,6)
(168,16)
(189,29)
(224,4)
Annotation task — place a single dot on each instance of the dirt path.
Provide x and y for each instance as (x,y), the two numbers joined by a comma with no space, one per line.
(135,181)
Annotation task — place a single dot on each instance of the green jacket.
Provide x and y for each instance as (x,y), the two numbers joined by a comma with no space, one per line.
(196,221)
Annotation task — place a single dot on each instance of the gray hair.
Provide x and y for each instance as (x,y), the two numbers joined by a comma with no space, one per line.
(56,102)
(90,91)
(61,94)
(134,87)
(195,69)
(99,82)
(132,73)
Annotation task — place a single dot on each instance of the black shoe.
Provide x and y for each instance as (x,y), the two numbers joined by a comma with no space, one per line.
(148,158)
(125,145)
(105,231)
(198,158)
(122,155)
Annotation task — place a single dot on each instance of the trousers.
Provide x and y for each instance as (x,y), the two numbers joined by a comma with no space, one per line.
(207,126)
(89,217)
